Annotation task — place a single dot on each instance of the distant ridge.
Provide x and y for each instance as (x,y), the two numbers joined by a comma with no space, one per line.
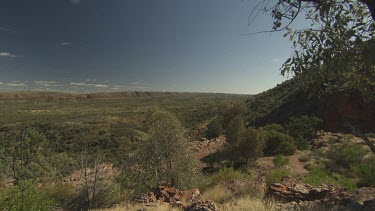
(14,96)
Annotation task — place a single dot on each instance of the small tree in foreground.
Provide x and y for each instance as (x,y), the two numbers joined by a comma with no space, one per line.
(165,157)
(214,129)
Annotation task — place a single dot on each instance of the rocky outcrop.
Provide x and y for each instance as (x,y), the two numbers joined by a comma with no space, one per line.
(292,195)
(289,190)
(206,205)
(340,110)
(326,139)
(188,200)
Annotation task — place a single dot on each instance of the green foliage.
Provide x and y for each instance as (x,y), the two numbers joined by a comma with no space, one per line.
(274,127)
(346,155)
(249,148)
(230,110)
(366,172)
(165,157)
(22,154)
(214,129)
(275,175)
(235,130)
(336,52)
(319,175)
(280,161)
(25,197)
(61,193)
(303,129)
(279,143)
(227,173)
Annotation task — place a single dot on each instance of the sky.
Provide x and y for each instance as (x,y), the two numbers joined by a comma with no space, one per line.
(144,45)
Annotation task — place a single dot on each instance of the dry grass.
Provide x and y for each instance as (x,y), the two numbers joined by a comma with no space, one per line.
(247,203)
(159,207)
(218,194)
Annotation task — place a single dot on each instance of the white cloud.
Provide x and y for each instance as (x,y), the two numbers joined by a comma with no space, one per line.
(101,86)
(275,60)
(65,43)
(16,84)
(7,54)
(47,83)
(135,83)
(81,84)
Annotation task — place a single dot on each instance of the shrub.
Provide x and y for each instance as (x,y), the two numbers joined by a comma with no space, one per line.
(274,127)
(366,173)
(213,129)
(346,155)
(304,158)
(235,129)
(165,157)
(249,148)
(280,161)
(302,129)
(275,175)
(218,194)
(25,197)
(226,173)
(279,143)
(61,193)
(319,175)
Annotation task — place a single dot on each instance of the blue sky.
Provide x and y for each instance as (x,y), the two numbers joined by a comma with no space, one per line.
(150,45)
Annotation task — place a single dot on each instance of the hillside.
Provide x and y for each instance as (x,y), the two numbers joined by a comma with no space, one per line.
(280,103)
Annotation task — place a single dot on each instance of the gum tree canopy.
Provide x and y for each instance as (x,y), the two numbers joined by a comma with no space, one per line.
(336,52)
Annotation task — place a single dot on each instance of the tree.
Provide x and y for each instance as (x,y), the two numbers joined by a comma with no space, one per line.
(279,143)
(230,110)
(248,148)
(235,129)
(22,154)
(302,129)
(338,50)
(165,157)
(213,129)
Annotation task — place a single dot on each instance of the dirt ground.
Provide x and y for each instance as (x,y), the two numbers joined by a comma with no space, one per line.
(297,167)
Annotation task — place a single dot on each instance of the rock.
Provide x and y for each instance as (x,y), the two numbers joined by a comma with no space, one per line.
(172,196)
(206,205)
(350,106)
(289,190)
(363,194)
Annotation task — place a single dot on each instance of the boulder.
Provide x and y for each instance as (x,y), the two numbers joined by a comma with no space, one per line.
(175,197)
(206,205)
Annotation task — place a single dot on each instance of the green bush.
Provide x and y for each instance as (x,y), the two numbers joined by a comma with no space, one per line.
(274,127)
(280,161)
(235,129)
(319,175)
(25,197)
(366,173)
(214,129)
(346,155)
(303,129)
(249,148)
(275,175)
(61,193)
(279,143)
(227,173)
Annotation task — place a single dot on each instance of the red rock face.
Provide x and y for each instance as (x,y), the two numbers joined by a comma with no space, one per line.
(339,110)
